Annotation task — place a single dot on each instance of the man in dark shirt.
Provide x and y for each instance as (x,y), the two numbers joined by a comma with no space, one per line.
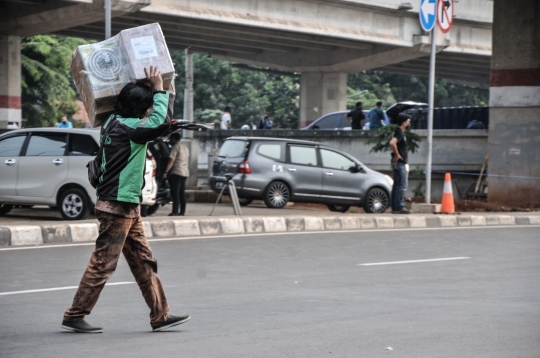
(400,168)
(356,117)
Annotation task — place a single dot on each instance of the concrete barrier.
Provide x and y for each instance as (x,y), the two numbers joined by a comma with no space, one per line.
(25,235)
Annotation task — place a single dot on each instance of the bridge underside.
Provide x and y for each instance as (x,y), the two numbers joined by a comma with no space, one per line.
(323,40)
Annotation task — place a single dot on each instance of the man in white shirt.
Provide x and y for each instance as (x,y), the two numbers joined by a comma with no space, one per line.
(226,119)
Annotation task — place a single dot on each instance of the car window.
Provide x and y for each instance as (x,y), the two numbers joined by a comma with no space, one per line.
(270,150)
(82,144)
(11,146)
(232,148)
(328,122)
(46,144)
(343,121)
(335,160)
(303,155)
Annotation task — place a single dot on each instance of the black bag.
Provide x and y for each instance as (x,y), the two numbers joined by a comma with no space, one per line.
(94,166)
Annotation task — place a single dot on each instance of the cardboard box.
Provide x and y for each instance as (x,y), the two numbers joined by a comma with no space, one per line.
(101,70)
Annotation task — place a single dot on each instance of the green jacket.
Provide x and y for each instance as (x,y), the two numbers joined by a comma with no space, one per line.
(124,152)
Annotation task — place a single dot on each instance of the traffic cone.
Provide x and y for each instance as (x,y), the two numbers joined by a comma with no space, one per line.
(447,203)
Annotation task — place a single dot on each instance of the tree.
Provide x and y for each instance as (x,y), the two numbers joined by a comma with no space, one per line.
(391,87)
(47,90)
(249,93)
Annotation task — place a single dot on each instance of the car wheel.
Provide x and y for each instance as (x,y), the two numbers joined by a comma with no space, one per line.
(245,201)
(376,201)
(338,208)
(277,195)
(151,209)
(74,204)
(4,209)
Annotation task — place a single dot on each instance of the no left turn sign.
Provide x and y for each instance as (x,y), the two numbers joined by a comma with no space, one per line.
(445,14)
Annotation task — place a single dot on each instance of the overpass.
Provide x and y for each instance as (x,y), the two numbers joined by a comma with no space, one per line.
(325,40)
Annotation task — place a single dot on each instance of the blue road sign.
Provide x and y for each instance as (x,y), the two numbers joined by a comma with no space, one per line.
(427,14)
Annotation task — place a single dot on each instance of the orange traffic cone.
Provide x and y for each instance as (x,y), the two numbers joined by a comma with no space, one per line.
(447,203)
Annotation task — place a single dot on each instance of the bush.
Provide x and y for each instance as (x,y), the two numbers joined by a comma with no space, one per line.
(381,137)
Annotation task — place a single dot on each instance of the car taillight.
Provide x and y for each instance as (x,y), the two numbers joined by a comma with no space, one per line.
(154,165)
(244,167)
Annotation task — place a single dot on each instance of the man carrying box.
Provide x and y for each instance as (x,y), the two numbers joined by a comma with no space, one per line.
(143,113)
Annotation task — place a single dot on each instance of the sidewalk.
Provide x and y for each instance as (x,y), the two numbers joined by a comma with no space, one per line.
(256,219)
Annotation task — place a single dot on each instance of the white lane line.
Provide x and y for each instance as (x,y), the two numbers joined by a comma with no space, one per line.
(58,289)
(414,261)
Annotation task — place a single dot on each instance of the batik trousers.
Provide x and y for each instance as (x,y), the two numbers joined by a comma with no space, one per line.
(117,235)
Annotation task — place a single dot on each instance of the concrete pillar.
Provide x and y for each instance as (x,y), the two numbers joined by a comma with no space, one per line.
(10,80)
(321,93)
(514,132)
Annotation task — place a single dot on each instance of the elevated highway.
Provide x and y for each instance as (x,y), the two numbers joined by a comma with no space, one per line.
(323,40)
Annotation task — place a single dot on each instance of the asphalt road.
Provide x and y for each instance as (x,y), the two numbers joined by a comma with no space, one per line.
(294,295)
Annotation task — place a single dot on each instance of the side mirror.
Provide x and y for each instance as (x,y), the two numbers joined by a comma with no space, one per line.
(356,168)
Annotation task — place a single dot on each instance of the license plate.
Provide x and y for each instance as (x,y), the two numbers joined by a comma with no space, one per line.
(219,185)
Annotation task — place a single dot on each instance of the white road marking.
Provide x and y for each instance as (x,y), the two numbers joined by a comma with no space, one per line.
(414,261)
(288,233)
(58,289)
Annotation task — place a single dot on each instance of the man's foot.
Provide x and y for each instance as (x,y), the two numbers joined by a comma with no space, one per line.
(402,211)
(171,322)
(172,214)
(80,326)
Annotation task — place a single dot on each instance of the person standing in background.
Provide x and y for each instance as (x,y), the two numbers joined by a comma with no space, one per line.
(226,119)
(400,166)
(64,123)
(177,172)
(265,123)
(376,117)
(356,117)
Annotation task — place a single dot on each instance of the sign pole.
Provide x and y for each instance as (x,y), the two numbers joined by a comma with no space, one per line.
(107,19)
(430,115)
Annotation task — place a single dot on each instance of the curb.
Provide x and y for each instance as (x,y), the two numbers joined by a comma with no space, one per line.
(24,235)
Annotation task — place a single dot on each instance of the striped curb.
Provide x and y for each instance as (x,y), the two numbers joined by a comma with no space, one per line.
(25,235)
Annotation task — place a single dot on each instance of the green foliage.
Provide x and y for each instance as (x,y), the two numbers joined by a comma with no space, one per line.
(47,90)
(418,191)
(391,87)
(380,139)
(217,84)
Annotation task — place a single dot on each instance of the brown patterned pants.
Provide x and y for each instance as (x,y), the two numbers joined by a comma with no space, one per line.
(120,235)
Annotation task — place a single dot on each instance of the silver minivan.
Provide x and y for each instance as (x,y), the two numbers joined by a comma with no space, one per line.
(47,166)
(281,170)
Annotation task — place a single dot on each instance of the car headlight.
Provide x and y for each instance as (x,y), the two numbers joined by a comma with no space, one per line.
(390,180)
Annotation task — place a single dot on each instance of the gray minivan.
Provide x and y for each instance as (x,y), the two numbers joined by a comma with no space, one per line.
(281,170)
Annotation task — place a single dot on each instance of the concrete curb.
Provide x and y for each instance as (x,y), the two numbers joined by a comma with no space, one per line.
(24,235)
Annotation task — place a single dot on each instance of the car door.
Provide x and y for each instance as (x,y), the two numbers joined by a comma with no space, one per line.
(303,171)
(44,165)
(10,150)
(340,182)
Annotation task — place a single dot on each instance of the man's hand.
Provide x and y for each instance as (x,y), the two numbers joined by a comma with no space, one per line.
(396,158)
(154,77)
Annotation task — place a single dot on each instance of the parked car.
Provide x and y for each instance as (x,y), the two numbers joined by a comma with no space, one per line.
(338,121)
(281,170)
(333,121)
(47,166)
